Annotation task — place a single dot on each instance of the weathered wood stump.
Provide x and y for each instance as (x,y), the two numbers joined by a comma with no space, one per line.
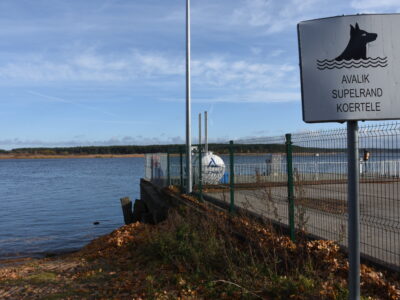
(126,204)
(141,212)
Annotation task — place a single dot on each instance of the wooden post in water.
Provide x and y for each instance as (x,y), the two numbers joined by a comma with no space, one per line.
(126,204)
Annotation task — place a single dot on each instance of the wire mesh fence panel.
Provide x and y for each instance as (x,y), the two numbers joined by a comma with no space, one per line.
(156,168)
(147,166)
(177,167)
(321,195)
(259,179)
(165,169)
(379,192)
(258,183)
(175,173)
(320,183)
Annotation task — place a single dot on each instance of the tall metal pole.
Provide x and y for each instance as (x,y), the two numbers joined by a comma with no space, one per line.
(205,133)
(181,163)
(188,105)
(168,169)
(200,130)
(231,177)
(289,165)
(353,210)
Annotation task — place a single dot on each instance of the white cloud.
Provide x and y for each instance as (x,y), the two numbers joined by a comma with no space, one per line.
(254,97)
(276,52)
(86,107)
(275,16)
(256,50)
(257,12)
(91,66)
(242,74)
(258,96)
(154,64)
(49,71)
(242,16)
(95,62)
(375,5)
(214,72)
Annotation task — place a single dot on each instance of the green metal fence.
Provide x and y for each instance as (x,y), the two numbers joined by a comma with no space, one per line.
(300,181)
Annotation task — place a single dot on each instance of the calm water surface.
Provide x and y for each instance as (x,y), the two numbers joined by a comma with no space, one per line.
(49,205)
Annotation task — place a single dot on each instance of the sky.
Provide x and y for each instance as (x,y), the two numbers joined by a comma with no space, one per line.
(112,72)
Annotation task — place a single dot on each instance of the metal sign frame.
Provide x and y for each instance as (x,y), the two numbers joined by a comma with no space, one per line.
(354,56)
(349,68)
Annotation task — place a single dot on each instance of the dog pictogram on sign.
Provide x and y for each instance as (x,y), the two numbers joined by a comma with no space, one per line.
(355,53)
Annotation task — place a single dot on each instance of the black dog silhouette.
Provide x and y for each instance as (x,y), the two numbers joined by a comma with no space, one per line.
(357,46)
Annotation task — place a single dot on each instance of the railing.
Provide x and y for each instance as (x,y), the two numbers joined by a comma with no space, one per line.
(260,183)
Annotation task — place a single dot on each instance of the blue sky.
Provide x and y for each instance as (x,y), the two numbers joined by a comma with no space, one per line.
(113,72)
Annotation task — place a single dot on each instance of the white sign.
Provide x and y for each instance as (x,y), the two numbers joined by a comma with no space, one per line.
(350,68)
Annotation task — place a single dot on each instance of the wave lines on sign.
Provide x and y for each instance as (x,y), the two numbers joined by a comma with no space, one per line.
(351,62)
(348,64)
(357,67)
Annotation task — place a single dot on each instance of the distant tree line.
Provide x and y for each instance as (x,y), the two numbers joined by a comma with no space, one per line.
(142,149)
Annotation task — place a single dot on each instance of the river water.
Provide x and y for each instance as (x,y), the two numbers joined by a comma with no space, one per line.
(49,205)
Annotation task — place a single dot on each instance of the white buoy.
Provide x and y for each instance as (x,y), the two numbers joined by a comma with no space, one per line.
(213,168)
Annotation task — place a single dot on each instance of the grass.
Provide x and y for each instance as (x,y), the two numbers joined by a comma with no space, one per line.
(221,256)
(218,262)
(43,277)
(196,253)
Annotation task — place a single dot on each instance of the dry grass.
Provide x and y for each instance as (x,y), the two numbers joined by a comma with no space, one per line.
(195,254)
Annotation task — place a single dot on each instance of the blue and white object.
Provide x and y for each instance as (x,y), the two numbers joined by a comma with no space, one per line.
(213,168)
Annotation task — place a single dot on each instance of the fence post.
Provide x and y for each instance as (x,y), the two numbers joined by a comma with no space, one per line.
(181,163)
(168,170)
(231,177)
(289,164)
(200,176)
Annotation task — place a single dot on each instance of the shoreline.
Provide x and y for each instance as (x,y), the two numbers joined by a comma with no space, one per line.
(42,156)
(74,156)
(116,265)
(16,261)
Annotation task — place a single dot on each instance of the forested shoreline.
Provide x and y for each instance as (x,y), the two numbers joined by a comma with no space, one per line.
(143,149)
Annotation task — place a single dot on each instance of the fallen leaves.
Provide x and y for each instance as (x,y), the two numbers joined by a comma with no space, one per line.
(326,256)
(110,267)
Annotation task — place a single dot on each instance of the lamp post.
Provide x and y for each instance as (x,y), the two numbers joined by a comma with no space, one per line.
(188,104)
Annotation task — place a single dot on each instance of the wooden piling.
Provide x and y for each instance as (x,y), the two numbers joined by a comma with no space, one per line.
(126,204)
